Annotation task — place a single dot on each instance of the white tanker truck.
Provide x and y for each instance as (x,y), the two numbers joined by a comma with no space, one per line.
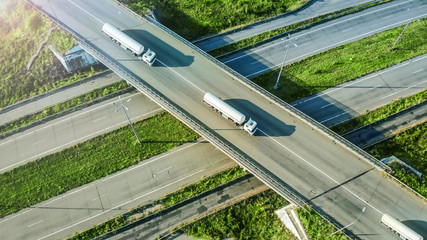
(400,229)
(129,43)
(231,113)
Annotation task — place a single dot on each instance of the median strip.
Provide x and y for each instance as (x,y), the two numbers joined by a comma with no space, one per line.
(57,173)
(380,113)
(265,37)
(63,108)
(346,62)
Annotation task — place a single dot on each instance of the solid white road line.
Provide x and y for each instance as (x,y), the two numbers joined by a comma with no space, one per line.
(86,12)
(192,84)
(320,171)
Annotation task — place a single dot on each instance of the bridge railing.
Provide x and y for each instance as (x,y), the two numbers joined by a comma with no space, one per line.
(278,101)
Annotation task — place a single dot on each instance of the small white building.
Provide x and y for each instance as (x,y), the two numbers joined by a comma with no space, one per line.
(75,58)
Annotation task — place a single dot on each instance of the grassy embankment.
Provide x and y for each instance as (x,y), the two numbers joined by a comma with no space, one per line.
(63,106)
(247,42)
(316,227)
(411,147)
(253,217)
(199,18)
(167,201)
(346,62)
(70,168)
(380,113)
(22,30)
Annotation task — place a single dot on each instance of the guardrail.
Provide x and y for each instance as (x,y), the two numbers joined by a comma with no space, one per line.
(252,166)
(280,102)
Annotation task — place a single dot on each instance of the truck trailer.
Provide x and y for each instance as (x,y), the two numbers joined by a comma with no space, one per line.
(231,113)
(400,229)
(128,43)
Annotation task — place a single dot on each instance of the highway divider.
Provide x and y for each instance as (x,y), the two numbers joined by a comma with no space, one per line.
(240,157)
(251,42)
(305,5)
(54,111)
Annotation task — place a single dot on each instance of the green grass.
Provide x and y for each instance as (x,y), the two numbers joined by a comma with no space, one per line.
(167,201)
(80,164)
(312,21)
(201,186)
(55,109)
(346,62)
(380,113)
(409,146)
(198,18)
(419,184)
(316,227)
(22,29)
(252,218)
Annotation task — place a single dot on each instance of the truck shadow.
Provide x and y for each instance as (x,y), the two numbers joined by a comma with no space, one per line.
(267,123)
(168,55)
(418,226)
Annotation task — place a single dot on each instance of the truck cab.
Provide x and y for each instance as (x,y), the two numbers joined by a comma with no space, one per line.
(250,126)
(149,57)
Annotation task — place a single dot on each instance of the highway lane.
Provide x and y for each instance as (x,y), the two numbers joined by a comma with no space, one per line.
(378,131)
(329,107)
(161,224)
(354,98)
(260,59)
(339,182)
(71,129)
(95,202)
(55,96)
(314,9)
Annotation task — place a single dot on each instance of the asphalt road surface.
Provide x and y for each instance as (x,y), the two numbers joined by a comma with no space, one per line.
(255,61)
(354,98)
(314,9)
(329,107)
(322,171)
(56,96)
(376,132)
(97,201)
(71,129)
(161,224)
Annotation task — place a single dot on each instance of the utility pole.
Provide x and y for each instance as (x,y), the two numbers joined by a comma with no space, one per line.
(363,210)
(127,116)
(401,34)
(276,86)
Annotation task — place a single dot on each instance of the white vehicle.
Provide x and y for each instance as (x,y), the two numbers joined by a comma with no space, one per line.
(400,229)
(149,57)
(128,43)
(231,113)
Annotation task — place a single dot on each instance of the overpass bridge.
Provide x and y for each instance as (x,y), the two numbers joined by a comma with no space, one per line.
(297,157)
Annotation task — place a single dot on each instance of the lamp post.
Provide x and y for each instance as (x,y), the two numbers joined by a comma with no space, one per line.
(363,210)
(276,86)
(127,116)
